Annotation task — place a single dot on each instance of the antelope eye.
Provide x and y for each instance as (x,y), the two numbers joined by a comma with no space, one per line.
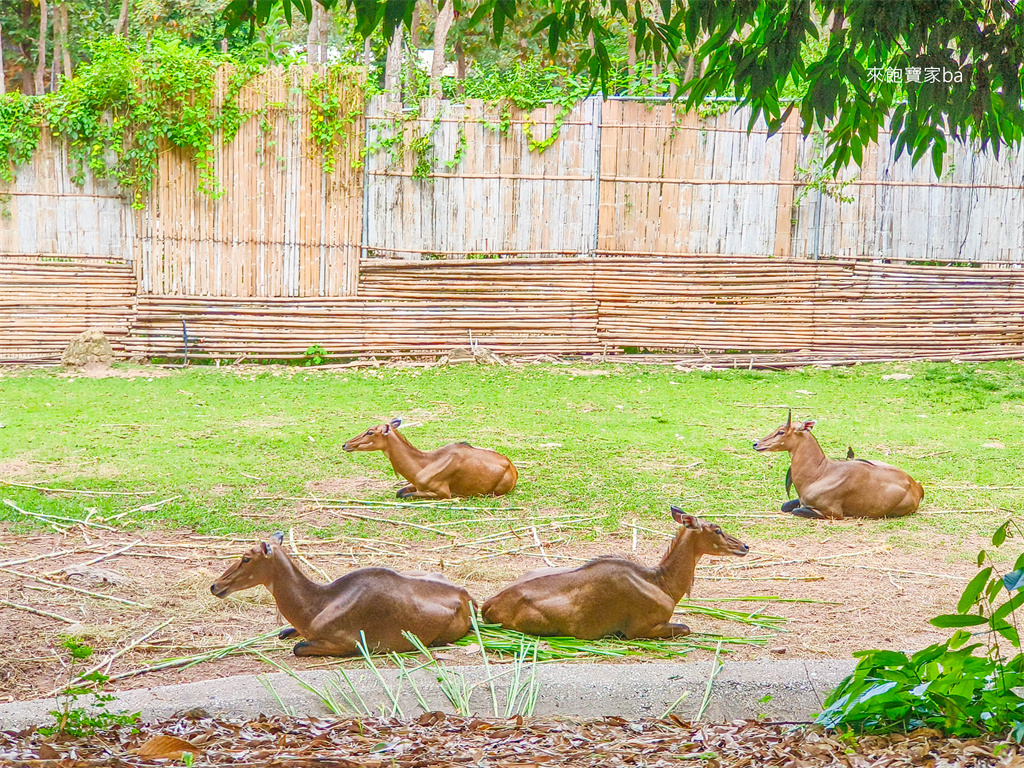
(779,432)
(369,432)
(246,559)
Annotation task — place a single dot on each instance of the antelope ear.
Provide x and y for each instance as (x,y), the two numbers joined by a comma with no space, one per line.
(265,546)
(687,521)
(806,426)
(396,423)
(385,429)
(277,538)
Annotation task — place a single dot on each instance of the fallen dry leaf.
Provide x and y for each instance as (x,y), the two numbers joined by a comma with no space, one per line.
(170,747)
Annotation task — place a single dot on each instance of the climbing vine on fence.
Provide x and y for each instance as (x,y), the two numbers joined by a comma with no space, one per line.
(334,105)
(118,107)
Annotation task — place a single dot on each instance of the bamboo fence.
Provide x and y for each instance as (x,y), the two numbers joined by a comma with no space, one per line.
(282,227)
(501,198)
(607,305)
(46,303)
(638,228)
(44,211)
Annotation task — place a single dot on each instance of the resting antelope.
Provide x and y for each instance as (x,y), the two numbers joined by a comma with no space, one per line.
(457,469)
(612,595)
(378,602)
(836,489)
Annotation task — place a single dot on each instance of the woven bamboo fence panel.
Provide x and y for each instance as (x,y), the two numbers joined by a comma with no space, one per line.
(673,183)
(44,211)
(44,303)
(283,227)
(499,199)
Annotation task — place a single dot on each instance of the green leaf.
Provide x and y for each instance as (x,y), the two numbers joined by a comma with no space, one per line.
(958,620)
(878,689)
(973,589)
(1008,607)
(1000,535)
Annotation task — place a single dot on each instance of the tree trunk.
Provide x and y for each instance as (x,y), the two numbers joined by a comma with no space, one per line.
(414,29)
(121,27)
(65,29)
(393,66)
(414,51)
(313,34)
(460,69)
(367,54)
(57,53)
(3,77)
(630,57)
(445,17)
(40,78)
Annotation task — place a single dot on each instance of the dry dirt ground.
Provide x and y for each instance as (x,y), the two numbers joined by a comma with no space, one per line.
(147,594)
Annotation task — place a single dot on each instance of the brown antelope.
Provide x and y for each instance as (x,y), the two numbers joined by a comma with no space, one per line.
(612,595)
(457,469)
(836,489)
(378,602)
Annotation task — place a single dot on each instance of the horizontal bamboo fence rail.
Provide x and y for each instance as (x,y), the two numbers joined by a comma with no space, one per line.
(286,329)
(587,306)
(44,304)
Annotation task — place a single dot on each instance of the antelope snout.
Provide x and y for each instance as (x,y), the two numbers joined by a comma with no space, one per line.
(216,592)
(347,448)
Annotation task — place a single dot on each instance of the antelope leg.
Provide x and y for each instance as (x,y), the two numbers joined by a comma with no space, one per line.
(414,494)
(808,512)
(667,629)
(320,648)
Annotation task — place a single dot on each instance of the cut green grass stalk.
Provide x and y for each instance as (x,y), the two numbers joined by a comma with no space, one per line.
(752,619)
(453,684)
(716,667)
(760,598)
(351,706)
(396,709)
(269,686)
(248,646)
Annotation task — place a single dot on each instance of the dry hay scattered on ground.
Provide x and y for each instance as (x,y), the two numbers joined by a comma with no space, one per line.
(438,740)
(147,600)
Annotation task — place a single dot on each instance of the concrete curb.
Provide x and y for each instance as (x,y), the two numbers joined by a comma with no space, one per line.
(790,690)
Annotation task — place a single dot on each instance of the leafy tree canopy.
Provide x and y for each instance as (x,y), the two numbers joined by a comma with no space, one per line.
(935,69)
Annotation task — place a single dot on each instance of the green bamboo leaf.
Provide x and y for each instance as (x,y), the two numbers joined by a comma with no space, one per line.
(958,620)
(973,589)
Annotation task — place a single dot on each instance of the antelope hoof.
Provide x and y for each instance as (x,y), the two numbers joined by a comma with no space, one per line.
(791,505)
(306,648)
(287,632)
(405,491)
(813,514)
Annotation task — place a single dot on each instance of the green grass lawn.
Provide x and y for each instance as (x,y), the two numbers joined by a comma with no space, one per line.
(616,441)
